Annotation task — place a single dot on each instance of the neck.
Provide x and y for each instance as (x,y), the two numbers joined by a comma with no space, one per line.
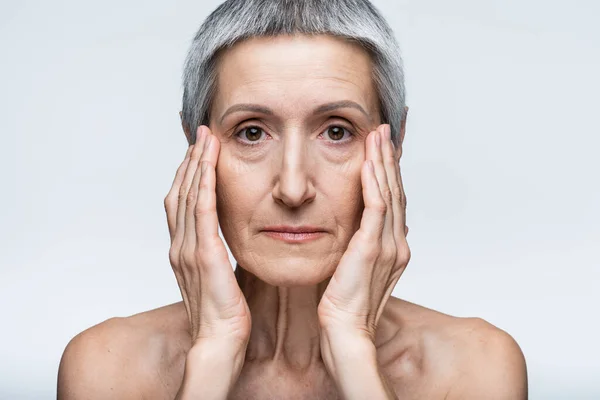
(285,326)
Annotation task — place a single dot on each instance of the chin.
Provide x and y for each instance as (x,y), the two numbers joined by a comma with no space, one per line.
(289,271)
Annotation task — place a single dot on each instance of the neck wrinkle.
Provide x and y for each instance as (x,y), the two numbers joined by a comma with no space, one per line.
(285,328)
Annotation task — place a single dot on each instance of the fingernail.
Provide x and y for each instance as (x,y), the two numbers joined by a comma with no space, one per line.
(207,143)
(377,139)
(388,132)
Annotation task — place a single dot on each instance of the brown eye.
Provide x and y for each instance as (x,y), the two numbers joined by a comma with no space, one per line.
(250,136)
(253,133)
(336,133)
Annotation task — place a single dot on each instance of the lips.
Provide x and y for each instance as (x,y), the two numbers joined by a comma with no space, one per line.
(294,234)
(293,229)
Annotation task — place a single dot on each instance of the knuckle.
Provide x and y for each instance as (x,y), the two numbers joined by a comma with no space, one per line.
(389,256)
(182,194)
(380,207)
(204,185)
(191,198)
(390,162)
(404,254)
(202,209)
(397,192)
(174,257)
(387,195)
(170,202)
(188,257)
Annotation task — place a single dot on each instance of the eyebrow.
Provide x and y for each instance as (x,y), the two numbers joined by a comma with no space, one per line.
(323,108)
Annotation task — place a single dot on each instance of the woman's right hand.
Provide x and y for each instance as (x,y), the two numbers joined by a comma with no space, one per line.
(216,307)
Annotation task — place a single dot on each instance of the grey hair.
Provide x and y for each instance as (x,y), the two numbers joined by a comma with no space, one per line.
(235,20)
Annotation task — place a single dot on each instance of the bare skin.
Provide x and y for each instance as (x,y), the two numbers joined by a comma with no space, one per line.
(295,173)
(423,352)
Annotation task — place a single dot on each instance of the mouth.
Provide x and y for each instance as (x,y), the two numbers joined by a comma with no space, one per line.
(290,234)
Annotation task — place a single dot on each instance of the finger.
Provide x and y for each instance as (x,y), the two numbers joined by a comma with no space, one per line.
(374,153)
(187,181)
(395,185)
(194,193)
(207,221)
(221,278)
(211,153)
(398,172)
(171,199)
(373,218)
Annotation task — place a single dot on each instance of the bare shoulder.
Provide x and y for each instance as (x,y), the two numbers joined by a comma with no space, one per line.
(124,357)
(469,357)
(491,364)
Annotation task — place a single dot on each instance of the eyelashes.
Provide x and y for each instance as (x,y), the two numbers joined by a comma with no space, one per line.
(250,143)
(253,143)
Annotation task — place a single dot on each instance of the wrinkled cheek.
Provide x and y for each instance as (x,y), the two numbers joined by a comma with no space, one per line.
(229,176)
(350,207)
(225,201)
(235,206)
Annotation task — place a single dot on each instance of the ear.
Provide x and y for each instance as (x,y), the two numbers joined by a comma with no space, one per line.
(185,130)
(402,134)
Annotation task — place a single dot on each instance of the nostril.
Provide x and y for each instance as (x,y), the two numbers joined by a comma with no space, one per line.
(293,192)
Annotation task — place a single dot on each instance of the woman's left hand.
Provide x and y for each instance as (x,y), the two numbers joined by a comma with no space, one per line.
(367,273)
(377,253)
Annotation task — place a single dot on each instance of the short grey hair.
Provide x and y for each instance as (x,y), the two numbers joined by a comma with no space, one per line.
(235,20)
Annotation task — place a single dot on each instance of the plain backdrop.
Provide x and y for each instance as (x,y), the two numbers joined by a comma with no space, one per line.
(500,167)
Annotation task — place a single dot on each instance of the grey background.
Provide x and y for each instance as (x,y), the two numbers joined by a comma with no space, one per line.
(500,167)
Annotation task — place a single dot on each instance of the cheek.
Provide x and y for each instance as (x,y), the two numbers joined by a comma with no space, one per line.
(343,190)
(237,195)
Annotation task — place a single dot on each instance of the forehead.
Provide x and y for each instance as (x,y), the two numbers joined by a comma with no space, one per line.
(293,74)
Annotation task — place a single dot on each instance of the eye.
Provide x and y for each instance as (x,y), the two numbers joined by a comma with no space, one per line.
(252,134)
(337,133)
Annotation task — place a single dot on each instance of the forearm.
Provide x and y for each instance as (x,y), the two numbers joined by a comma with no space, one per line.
(352,363)
(211,370)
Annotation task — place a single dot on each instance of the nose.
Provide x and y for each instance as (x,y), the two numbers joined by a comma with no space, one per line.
(293,184)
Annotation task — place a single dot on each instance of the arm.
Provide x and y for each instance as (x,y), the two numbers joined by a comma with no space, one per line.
(211,370)
(218,314)
(352,363)
(366,275)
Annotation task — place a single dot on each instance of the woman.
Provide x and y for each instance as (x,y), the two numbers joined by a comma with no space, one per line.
(295,116)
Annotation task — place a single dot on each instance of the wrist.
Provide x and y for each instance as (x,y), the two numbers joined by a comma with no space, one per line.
(346,340)
(347,350)
(351,360)
(211,370)
(217,354)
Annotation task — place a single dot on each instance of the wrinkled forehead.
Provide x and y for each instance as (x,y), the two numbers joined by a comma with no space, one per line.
(293,74)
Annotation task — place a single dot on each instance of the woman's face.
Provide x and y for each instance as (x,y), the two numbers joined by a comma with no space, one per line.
(292,160)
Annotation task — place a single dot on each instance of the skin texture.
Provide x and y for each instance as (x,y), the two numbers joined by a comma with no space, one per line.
(300,172)
(297,174)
